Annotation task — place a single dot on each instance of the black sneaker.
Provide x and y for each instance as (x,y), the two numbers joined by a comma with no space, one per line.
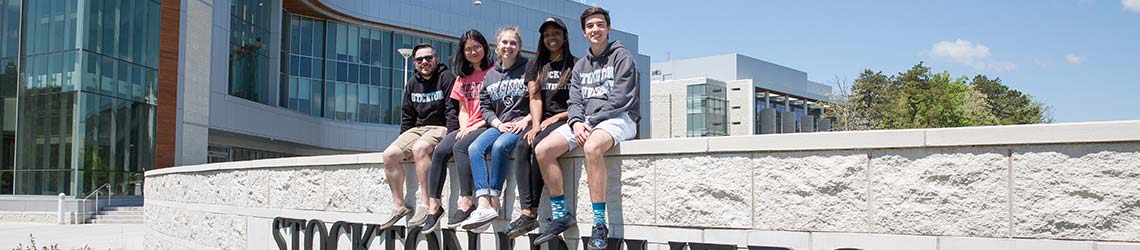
(598,237)
(432,222)
(524,224)
(458,217)
(555,228)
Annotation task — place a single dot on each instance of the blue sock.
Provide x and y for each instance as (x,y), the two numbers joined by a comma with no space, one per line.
(600,212)
(558,206)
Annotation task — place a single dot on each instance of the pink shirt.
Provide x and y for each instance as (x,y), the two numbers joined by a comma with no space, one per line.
(466,91)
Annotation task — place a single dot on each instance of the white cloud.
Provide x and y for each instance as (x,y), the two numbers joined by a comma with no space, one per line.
(1074,59)
(1133,5)
(973,54)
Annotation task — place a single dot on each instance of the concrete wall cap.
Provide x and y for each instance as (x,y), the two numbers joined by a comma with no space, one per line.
(1065,133)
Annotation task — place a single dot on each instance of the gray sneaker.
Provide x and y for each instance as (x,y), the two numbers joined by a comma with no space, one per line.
(400,213)
(555,228)
(419,217)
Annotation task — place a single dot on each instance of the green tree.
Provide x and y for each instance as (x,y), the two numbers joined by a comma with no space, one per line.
(918,98)
(1008,105)
(864,108)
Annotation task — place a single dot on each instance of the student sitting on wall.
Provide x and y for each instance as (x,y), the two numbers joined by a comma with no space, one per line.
(548,82)
(422,126)
(603,112)
(472,63)
(505,107)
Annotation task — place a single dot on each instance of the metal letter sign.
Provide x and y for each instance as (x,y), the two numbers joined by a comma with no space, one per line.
(361,236)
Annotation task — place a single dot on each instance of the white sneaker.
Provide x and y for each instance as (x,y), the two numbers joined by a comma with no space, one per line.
(480,217)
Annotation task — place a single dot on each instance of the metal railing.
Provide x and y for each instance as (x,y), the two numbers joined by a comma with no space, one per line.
(81,217)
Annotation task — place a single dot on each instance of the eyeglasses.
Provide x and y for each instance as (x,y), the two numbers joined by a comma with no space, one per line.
(473,49)
(423,59)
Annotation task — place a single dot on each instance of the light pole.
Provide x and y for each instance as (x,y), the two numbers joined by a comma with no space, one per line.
(406,52)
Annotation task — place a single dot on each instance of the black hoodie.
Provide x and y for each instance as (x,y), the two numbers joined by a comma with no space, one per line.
(504,96)
(604,86)
(426,101)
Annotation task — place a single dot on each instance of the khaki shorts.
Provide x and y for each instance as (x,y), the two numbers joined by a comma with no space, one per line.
(429,134)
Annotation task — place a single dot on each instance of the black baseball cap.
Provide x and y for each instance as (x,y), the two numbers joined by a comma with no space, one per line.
(550,21)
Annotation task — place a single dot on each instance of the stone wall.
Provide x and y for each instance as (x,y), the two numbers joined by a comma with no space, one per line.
(1063,186)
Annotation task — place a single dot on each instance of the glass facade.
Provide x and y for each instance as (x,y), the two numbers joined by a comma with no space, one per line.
(87,96)
(346,72)
(249,50)
(219,153)
(705,109)
(9,83)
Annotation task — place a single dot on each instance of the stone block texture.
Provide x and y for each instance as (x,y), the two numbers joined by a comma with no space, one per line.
(705,191)
(1083,192)
(1079,191)
(955,191)
(810,191)
(222,231)
(630,191)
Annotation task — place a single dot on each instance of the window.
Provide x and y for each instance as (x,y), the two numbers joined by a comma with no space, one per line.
(249,40)
(359,65)
(705,108)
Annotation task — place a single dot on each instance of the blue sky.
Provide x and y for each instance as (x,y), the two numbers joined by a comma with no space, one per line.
(1082,57)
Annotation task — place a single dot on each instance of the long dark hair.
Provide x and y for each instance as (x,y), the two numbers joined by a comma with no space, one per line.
(459,61)
(543,60)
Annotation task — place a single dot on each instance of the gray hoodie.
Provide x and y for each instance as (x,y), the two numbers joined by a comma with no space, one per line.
(604,86)
(504,95)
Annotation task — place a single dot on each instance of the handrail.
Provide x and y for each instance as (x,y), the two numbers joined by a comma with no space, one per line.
(83,207)
(96,191)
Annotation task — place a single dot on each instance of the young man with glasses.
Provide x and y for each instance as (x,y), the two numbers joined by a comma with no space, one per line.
(424,122)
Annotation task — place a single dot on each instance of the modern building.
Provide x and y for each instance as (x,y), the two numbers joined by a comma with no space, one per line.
(98,91)
(79,86)
(733,94)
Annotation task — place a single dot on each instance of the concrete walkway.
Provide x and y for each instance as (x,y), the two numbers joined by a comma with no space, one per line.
(97,236)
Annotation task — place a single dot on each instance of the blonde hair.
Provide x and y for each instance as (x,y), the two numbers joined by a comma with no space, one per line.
(503,30)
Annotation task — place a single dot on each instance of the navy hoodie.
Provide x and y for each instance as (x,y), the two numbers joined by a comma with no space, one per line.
(504,96)
(604,86)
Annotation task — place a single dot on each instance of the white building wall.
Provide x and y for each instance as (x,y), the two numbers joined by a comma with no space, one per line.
(720,67)
(197,69)
(730,67)
(741,107)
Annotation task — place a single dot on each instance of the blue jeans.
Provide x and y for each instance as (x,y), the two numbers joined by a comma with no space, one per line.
(499,145)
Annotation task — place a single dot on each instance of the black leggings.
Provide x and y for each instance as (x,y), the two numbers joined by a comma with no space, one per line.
(527,172)
(443,153)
